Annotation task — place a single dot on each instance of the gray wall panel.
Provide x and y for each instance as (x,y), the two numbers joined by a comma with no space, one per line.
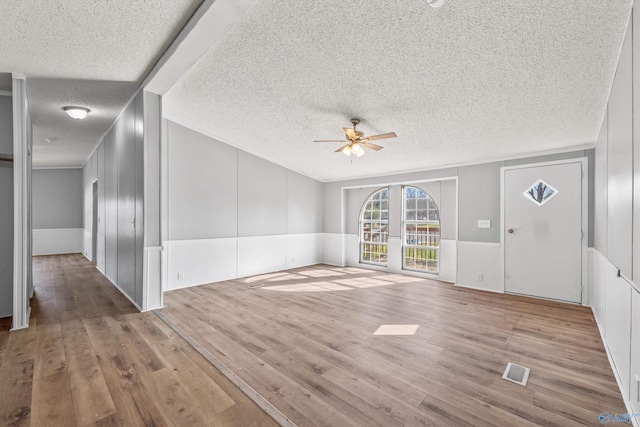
(6,237)
(448,208)
(6,124)
(600,193)
(620,164)
(591,162)
(545,158)
(152,118)
(101,188)
(332,207)
(139,130)
(111,205)
(203,186)
(262,197)
(479,198)
(636,148)
(126,155)
(57,198)
(89,174)
(6,208)
(304,204)
(395,211)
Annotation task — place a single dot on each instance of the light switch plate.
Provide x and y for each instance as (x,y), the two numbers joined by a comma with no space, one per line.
(484,223)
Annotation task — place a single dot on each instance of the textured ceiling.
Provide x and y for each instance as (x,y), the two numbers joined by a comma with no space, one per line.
(468,82)
(72,141)
(91,45)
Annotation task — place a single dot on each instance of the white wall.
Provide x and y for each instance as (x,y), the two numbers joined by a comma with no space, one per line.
(57,211)
(615,259)
(230,214)
(474,253)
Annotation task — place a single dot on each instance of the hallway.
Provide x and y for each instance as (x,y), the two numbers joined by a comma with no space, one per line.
(90,358)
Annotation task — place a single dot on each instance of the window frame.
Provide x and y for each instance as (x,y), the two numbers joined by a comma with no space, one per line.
(382,245)
(416,247)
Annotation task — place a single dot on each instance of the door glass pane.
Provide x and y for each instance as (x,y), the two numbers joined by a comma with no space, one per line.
(421,231)
(540,192)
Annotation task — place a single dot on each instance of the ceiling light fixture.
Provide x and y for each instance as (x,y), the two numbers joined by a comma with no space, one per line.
(435,3)
(77,113)
(346,150)
(357,149)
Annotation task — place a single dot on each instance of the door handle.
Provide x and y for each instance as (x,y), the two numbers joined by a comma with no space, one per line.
(510,231)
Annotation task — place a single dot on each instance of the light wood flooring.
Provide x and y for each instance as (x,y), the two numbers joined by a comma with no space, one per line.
(304,340)
(90,358)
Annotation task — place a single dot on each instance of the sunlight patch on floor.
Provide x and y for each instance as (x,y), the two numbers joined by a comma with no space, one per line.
(396,330)
(308,287)
(330,279)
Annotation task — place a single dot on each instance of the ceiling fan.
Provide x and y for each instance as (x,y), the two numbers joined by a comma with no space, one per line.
(356,140)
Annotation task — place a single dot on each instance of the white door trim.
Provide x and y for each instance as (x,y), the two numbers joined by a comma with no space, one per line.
(586,299)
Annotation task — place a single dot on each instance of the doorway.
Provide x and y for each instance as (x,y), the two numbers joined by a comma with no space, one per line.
(544,214)
(94,225)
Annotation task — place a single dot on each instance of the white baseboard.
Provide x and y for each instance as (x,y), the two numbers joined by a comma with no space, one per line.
(612,309)
(151,278)
(479,259)
(57,241)
(332,249)
(197,262)
(87,244)
(478,288)
(627,404)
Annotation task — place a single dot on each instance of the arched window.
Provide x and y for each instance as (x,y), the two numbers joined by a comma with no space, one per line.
(374,228)
(421,231)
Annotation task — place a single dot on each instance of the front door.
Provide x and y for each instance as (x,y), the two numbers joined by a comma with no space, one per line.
(543,231)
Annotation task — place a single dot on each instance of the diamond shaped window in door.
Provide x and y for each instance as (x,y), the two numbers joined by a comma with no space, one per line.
(540,193)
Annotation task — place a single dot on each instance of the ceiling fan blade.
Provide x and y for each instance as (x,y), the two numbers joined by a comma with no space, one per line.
(342,148)
(330,140)
(351,134)
(371,146)
(381,136)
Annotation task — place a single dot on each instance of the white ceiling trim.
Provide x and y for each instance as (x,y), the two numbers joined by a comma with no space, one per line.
(210,22)
(588,146)
(56,167)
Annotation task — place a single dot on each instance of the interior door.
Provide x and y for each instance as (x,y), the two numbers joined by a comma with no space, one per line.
(543,231)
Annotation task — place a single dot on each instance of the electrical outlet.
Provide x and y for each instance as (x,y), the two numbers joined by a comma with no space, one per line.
(484,223)
(180,276)
(480,277)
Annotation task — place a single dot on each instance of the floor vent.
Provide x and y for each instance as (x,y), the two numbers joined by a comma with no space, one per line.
(255,285)
(516,374)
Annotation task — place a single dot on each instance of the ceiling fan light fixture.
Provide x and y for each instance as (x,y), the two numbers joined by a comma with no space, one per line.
(357,149)
(346,151)
(77,113)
